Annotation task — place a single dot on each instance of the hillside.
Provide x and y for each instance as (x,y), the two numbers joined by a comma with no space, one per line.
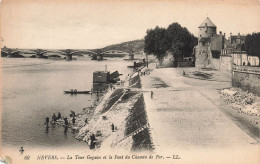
(137,45)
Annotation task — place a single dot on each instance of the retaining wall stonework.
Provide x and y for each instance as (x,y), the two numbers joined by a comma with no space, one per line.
(225,63)
(247,78)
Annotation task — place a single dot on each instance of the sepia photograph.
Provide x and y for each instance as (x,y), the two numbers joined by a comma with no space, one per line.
(113,81)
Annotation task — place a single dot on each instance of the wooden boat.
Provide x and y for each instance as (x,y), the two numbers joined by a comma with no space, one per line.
(139,64)
(77,92)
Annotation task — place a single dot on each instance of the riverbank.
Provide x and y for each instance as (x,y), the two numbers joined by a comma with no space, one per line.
(118,120)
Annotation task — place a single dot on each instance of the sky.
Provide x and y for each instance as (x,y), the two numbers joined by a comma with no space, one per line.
(87,24)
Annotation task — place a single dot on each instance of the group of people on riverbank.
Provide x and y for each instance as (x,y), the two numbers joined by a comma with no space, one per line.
(54,118)
(58,117)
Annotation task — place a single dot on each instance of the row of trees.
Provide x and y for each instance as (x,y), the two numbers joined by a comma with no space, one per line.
(252,44)
(175,39)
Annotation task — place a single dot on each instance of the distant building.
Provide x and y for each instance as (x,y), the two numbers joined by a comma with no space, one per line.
(235,47)
(209,45)
(105,77)
(100,77)
(215,51)
(236,39)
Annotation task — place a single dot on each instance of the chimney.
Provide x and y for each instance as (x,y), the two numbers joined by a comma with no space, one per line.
(231,38)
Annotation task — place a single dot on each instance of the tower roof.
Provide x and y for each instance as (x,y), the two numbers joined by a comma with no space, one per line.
(209,23)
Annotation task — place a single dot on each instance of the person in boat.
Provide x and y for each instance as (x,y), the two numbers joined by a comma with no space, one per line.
(54,118)
(59,116)
(75,91)
(73,120)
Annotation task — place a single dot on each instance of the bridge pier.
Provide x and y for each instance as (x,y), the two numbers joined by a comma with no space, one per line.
(99,57)
(131,54)
(39,55)
(131,57)
(94,57)
(68,57)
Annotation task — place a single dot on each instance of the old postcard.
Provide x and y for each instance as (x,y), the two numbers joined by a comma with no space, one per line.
(148,81)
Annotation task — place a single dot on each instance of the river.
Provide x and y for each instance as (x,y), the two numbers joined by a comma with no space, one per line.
(32,89)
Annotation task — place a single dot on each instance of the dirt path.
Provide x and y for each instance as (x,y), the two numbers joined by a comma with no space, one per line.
(185,120)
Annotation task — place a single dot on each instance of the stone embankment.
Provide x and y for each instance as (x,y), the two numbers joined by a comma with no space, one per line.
(118,121)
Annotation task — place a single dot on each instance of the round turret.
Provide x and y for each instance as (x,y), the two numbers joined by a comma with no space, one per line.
(207,29)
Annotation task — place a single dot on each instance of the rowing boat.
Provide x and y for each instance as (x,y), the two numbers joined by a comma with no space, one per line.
(77,92)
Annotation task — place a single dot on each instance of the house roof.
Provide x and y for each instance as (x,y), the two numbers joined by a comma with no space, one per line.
(234,37)
(209,23)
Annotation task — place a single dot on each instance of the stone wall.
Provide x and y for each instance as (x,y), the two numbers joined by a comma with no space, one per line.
(207,32)
(201,55)
(217,43)
(225,63)
(247,78)
(215,63)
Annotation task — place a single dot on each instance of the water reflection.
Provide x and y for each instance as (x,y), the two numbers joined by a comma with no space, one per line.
(99,89)
(65,129)
(47,129)
(38,90)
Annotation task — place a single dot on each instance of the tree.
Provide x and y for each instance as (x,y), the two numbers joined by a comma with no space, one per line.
(175,39)
(149,41)
(155,42)
(179,41)
(8,52)
(252,43)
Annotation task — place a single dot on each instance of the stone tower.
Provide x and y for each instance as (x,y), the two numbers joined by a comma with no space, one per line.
(207,30)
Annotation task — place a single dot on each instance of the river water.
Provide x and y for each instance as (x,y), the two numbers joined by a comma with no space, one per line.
(32,89)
